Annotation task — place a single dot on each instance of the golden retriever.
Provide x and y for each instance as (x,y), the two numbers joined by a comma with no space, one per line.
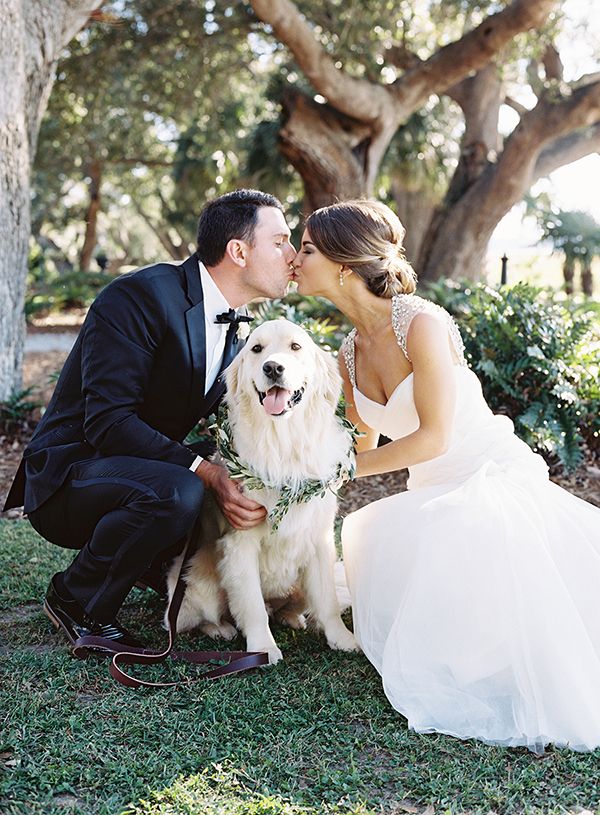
(282,394)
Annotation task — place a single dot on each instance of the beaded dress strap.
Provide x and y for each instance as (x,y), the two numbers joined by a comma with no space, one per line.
(348,352)
(407,306)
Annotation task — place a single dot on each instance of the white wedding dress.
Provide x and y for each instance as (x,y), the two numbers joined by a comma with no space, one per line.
(476,594)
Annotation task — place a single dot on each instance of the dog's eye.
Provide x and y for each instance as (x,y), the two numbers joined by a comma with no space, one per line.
(257,348)
(296,346)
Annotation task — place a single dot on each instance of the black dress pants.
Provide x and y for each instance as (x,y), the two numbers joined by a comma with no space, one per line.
(122,513)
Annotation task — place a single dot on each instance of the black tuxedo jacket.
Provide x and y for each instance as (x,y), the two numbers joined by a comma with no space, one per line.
(133,384)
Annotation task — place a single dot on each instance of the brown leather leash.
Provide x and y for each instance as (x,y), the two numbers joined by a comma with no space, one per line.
(235,661)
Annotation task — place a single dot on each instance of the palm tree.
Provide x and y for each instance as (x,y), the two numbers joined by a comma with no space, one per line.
(574,233)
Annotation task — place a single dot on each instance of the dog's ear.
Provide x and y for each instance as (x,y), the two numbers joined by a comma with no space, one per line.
(330,380)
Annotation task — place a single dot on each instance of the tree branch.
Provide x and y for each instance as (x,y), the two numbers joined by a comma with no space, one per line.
(553,67)
(459,92)
(474,50)
(401,57)
(358,98)
(567,149)
(512,103)
(553,118)
(586,79)
(147,162)
(551,121)
(368,101)
(50,26)
(161,233)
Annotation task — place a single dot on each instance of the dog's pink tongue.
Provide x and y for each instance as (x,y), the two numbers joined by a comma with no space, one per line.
(276,400)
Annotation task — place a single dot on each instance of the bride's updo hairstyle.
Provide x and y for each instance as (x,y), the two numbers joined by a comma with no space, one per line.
(366,236)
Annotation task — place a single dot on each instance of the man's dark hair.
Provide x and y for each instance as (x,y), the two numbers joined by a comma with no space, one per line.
(233,215)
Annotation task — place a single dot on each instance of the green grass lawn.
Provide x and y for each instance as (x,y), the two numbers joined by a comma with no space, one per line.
(313,734)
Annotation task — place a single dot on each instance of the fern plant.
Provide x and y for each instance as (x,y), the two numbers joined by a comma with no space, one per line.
(538,359)
(16,413)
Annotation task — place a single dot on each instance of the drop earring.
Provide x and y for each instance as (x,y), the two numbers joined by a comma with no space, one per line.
(341,275)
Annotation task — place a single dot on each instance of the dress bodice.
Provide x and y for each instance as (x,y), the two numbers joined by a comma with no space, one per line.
(478,435)
(404,308)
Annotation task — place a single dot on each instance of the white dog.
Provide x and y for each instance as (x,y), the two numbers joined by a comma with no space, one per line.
(282,393)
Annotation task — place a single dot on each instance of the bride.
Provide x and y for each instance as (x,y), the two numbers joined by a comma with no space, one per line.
(476,593)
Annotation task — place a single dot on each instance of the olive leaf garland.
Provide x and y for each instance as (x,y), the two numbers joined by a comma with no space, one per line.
(288,494)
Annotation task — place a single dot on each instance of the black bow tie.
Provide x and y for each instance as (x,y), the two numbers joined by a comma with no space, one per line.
(233,317)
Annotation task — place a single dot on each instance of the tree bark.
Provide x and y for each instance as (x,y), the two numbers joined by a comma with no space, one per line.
(587,281)
(327,148)
(337,147)
(91,218)
(480,97)
(567,149)
(382,108)
(14,203)
(415,208)
(32,35)
(456,247)
(569,274)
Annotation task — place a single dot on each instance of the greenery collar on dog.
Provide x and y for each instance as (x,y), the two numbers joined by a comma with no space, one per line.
(297,494)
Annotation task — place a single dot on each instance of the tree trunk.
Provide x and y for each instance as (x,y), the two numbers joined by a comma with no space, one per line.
(91,219)
(569,274)
(457,241)
(14,198)
(326,148)
(480,97)
(415,208)
(587,281)
(32,35)
(337,148)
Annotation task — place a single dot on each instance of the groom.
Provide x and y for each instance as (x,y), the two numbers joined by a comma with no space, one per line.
(106,471)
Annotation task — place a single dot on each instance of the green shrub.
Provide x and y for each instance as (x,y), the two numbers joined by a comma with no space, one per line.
(538,359)
(322,320)
(53,291)
(16,414)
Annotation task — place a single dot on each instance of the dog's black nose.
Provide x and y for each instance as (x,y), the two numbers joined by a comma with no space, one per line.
(273,370)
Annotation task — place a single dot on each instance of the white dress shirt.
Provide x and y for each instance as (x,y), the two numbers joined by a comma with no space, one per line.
(214,303)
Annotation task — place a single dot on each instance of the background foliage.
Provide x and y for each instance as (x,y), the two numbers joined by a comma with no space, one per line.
(538,358)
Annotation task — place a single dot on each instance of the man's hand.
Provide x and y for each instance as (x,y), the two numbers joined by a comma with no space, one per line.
(240,511)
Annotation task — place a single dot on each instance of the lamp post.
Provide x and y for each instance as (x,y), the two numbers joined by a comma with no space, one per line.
(503,273)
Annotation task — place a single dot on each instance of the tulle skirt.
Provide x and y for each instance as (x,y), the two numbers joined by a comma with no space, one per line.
(479,605)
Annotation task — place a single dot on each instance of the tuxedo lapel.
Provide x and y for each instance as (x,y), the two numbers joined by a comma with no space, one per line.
(193,285)
(231,346)
(196,331)
(200,404)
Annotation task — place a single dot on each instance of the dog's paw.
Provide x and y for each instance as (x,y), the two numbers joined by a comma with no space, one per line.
(343,640)
(291,619)
(222,630)
(274,655)
(269,647)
